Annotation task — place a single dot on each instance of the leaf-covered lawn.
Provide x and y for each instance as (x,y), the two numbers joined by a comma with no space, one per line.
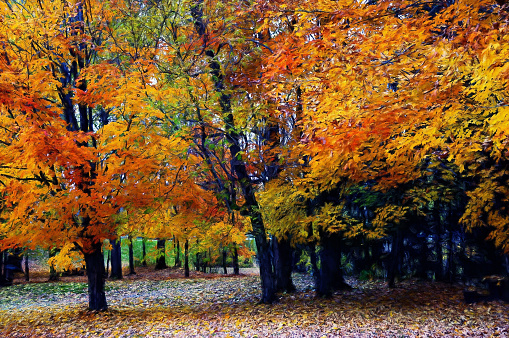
(227,307)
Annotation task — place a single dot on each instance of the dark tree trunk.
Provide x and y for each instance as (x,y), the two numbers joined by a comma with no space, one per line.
(198,258)
(178,263)
(236,268)
(225,255)
(439,247)
(161,255)
(264,259)
(8,274)
(449,264)
(53,275)
(209,261)
(282,255)
(94,262)
(186,258)
(27,270)
(203,262)
(395,257)
(1,267)
(144,252)
(331,275)
(116,259)
(314,265)
(238,166)
(131,257)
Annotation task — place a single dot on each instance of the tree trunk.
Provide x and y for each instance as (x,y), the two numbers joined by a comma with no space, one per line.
(144,250)
(161,255)
(94,262)
(250,207)
(186,259)
(394,259)
(449,264)
(331,275)
(131,257)
(314,265)
(116,259)
(282,255)
(198,258)
(225,255)
(264,259)
(53,275)
(1,268)
(178,263)
(236,268)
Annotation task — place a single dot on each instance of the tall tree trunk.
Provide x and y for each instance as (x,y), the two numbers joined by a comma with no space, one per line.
(94,263)
(53,275)
(178,263)
(1,267)
(449,264)
(144,250)
(314,265)
(394,259)
(161,255)
(236,268)
(282,255)
(251,207)
(186,258)
(116,259)
(197,263)
(131,256)
(264,259)
(204,263)
(225,255)
(331,275)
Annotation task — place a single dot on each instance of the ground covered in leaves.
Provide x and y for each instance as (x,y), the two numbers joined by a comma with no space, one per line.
(211,306)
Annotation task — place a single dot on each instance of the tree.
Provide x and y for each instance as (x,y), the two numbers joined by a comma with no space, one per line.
(65,180)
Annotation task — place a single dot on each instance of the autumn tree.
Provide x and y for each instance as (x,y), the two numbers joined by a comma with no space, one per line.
(64,179)
(389,91)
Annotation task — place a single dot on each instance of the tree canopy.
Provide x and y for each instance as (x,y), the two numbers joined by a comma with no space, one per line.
(305,120)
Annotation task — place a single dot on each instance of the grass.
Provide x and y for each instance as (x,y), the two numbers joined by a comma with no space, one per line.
(150,248)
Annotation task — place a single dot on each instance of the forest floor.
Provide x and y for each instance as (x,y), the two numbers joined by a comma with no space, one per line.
(164,304)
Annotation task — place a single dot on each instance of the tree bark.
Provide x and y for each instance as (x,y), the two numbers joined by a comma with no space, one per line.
(331,275)
(53,275)
(186,259)
(236,268)
(178,263)
(394,259)
(251,207)
(1,267)
(282,255)
(225,255)
(116,259)
(161,255)
(94,262)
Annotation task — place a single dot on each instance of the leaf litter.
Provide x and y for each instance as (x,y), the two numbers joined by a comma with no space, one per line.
(227,306)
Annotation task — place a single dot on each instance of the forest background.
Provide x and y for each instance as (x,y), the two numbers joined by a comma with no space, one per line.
(361,136)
